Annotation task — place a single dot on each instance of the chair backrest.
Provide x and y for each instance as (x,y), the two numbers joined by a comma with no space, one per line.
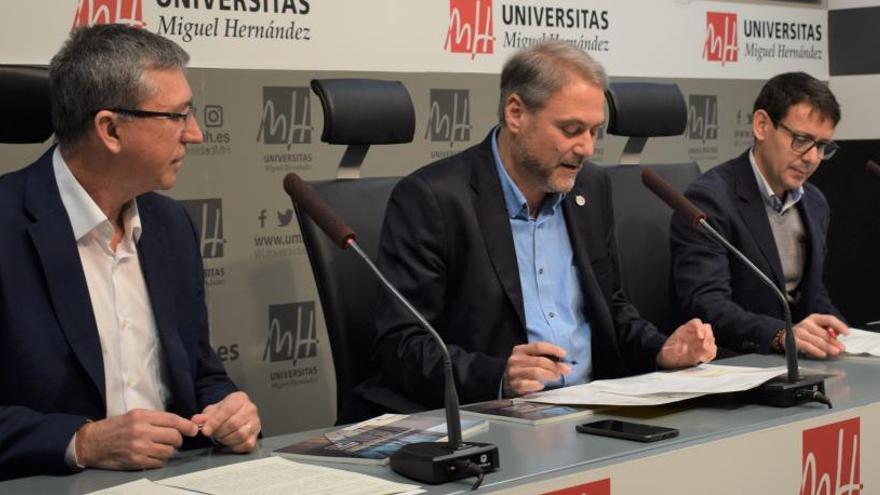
(359,113)
(642,228)
(641,110)
(346,286)
(24,104)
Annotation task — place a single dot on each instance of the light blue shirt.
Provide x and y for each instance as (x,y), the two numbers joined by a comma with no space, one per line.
(791,198)
(551,289)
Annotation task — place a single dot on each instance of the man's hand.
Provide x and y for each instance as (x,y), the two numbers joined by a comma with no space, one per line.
(816,335)
(528,367)
(690,344)
(138,439)
(233,422)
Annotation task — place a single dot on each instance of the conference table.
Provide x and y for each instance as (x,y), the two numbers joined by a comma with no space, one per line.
(726,445)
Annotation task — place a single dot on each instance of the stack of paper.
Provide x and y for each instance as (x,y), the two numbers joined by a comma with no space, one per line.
(861,342)
(268,476)
(661,387)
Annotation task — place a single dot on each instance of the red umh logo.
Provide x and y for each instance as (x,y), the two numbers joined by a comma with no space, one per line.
(91,12)
(831,460)
(721,40)
(470,27)
(600,487)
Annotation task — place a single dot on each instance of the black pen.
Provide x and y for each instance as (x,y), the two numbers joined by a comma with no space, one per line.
(557,359)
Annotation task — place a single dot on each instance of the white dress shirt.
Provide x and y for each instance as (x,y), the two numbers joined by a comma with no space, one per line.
(134,372)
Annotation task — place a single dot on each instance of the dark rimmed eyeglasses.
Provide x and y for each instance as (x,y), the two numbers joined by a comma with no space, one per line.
(802,143)
(142,114)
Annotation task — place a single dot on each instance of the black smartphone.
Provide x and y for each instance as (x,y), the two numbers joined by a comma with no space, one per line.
(628,431)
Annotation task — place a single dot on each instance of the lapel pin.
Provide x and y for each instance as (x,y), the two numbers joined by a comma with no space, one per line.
(580,200)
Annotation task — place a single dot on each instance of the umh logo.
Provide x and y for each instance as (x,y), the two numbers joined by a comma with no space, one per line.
(450,116)
(703,117)
(91,12)
(831,460)
(287,117)
(207,214)
(721,40)
(292,332)
(470,27)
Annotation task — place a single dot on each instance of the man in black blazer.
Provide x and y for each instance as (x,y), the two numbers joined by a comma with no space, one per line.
(508,249)
(761,202)
(104,353)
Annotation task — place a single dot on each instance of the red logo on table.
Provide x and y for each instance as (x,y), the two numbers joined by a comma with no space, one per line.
(600,487)
(721,40)
(91,12)
(470,27)
(831,460)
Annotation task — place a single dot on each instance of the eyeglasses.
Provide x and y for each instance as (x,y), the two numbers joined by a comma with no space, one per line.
(801,143)
(172,116)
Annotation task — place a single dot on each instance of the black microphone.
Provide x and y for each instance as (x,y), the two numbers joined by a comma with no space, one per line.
(792,390)
(429,462)
(872,168)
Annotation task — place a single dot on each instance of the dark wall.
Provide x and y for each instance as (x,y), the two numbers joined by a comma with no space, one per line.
(852,271)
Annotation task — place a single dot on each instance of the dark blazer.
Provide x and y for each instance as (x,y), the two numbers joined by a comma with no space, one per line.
(448,246)
(711,284)
(51,370)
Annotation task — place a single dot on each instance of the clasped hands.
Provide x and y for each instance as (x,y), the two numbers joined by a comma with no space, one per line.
(532,365)
(142,439)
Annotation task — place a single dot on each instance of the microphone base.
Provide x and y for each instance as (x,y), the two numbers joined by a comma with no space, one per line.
(436,462)
(779,392)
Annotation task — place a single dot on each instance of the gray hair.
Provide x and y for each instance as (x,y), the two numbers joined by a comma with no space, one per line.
(535,73)
(103,67)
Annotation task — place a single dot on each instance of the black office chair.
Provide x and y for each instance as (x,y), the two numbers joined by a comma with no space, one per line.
(24,104)
(641,110)
(359,113)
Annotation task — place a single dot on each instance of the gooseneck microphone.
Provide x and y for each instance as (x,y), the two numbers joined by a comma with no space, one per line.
(792,390)
(429,462)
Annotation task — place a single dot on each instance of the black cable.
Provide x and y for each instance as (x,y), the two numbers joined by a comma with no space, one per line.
(472,469)
(813,395)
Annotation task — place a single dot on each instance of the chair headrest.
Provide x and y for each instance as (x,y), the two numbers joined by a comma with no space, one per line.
(25,115)
(365,111)
(645,109)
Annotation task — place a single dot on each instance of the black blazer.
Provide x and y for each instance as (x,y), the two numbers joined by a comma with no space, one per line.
(711,284)
(51,371)
(447,245)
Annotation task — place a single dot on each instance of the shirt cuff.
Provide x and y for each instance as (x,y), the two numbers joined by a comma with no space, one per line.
(70,455)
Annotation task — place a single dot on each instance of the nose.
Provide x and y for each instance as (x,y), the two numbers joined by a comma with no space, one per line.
(192,133)
(813,156)
(586,145)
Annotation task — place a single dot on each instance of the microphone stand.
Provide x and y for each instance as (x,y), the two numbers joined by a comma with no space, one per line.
(781,391)
(436,462)
(428,462)
(790,390)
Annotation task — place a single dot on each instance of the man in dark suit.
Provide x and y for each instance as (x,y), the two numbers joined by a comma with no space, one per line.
(104,353)
(508,249)
(762,203)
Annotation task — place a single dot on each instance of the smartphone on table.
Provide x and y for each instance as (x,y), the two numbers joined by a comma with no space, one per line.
(627,430)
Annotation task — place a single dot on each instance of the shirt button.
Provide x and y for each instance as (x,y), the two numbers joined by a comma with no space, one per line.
(552,314)
(540,271)
(129,382)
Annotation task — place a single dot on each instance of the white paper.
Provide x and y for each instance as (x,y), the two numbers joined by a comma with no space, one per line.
(861,342)
(142,486)
(274,475)
(661,387)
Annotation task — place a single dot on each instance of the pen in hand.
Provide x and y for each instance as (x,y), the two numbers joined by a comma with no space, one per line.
(557,359)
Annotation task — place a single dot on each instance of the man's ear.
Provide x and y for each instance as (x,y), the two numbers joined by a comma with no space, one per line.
(761,124)
(514,113)
(106,129)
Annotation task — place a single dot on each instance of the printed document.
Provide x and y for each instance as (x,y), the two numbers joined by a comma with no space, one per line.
(661,387)
(861,342)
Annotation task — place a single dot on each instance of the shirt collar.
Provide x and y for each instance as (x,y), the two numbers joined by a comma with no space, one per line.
(766,191)
(84,214)
(514,199)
